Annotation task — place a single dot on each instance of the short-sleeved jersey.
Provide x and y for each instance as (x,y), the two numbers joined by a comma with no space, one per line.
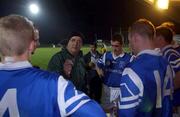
(172,54)
(113,67)
(146,87)
(30,92)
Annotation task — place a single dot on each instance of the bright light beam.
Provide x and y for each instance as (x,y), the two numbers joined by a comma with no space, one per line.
(34,9)
(162,4)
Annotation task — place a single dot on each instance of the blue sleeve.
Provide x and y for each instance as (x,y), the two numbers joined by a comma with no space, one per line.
(90,109)
(175,63)
(71,101)
(173,57)
(131,93)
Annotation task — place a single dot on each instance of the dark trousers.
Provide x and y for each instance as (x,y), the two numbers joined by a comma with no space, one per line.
(95,85)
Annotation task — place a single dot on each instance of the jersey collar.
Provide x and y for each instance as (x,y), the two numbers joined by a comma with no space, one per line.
(155,52)
(10,64)
(115,57)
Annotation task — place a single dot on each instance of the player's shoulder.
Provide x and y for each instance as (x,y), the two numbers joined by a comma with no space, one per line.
(58,54)
(127,56)
(169,51)
(138,65)
(136,62)
(108,53)
(43,74)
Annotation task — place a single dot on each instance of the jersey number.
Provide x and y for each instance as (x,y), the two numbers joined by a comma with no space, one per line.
(9,101)
(166,91)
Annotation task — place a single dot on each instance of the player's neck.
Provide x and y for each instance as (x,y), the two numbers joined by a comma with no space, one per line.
(146,47)
(14,59)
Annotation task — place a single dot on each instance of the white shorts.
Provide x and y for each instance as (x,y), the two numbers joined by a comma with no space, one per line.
(109,94)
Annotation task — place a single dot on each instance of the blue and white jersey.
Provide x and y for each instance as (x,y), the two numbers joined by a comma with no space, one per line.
(146,87)
(29,92)
(113,67)
(173,56)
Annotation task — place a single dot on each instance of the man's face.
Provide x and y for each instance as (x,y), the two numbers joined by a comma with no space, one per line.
(36,40)
(131,43)
(93,48)
(116,47)
(74,45)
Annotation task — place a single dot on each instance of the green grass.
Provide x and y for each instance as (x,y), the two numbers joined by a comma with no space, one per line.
(43,55)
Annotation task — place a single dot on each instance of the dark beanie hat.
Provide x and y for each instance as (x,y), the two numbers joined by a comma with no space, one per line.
(79,34)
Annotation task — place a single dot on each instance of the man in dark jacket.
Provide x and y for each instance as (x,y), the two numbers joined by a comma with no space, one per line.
(70,63)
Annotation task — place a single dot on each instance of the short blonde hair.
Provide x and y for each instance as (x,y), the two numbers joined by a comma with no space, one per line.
(16,33)
(144,28)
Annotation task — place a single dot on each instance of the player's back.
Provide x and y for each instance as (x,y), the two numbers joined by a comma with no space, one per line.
(34,90)
(29,92)
(148,78)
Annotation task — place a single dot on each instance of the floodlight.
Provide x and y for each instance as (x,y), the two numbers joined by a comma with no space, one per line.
(162,4)
(34,8)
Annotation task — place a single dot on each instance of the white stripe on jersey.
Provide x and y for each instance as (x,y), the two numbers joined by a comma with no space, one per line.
(79,105)
(134,97)
(124,84)
(171,50)
(62,84)
(135,78)
(128,106)
(171,54)
(104,59)
(169,75)
(137,81)
(74,99)
(175,64)
(63,105)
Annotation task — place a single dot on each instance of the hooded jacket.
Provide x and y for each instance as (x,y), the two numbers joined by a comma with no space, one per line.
(78,72)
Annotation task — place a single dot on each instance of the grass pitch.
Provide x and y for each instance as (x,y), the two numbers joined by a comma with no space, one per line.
(42,56)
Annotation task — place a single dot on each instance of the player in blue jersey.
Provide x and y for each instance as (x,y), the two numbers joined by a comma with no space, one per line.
(29,92)
(146,84)
(164,38)
(112,64)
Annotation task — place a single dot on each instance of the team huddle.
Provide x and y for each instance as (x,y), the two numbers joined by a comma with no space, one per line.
(143,83)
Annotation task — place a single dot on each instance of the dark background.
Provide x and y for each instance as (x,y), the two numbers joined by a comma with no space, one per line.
(96,19)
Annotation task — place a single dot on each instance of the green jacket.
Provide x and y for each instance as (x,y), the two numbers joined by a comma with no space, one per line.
(78,71)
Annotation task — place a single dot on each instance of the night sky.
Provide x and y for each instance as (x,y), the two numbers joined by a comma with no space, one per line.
(94,18)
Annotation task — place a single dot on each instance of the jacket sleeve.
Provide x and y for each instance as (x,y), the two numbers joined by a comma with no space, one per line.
(56,64)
